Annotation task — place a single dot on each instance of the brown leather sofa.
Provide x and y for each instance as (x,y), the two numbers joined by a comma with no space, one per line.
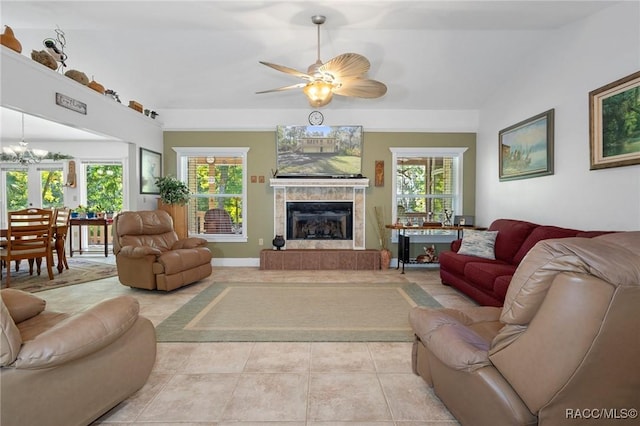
(564,347)
(149,254)
(60,369)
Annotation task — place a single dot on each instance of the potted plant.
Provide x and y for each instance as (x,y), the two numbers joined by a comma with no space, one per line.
(174,195)
(172,190)
(383,238)
(80,212)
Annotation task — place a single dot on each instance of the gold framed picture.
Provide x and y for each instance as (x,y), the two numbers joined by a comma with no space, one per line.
(614,123)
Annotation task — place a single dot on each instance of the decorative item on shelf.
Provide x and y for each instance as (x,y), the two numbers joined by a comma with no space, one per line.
(44,58)
(8,39)
(113,95)
(446,221)
(78,76)
(135,106)
(96,86)
(429,255)
(429,222)
(55,48)
(278,242)
(383,238)
(150,113)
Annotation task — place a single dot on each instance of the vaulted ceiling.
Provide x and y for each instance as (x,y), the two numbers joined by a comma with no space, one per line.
(204,54)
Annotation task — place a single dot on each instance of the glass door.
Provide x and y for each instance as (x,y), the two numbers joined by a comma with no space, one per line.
(35,185)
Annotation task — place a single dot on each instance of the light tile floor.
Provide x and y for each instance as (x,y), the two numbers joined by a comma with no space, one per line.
(278,383)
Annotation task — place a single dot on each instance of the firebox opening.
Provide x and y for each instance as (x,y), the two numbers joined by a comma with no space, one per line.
(319,220)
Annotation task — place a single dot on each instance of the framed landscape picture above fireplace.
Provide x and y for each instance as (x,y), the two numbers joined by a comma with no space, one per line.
(318,151)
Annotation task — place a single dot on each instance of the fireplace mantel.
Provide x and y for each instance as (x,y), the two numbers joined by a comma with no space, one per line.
(320,190)
(320,182)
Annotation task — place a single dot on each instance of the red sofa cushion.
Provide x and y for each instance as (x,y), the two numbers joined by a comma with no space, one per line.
(511,234)
(454,262)
(501,285)
(542,232)
(484,274)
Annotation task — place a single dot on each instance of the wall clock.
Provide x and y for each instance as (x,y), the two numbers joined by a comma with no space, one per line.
(316,118)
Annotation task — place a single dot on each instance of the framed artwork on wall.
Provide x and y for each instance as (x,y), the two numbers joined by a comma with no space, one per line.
(150,169)
(379,173)
(614,123)
(526,148)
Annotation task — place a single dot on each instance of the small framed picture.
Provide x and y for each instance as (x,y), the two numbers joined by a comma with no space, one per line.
(526,148)
(150,170)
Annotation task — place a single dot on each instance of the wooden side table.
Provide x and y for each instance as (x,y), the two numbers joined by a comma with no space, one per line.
(104,222)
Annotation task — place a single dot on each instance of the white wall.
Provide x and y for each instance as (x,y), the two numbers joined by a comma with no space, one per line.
(30,87)
(572,62)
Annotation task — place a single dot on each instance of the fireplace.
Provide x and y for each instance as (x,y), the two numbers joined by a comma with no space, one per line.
(319,220)
(341,226)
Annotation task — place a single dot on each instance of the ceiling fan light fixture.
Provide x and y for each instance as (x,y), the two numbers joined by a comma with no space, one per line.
(344,75)
(319,93)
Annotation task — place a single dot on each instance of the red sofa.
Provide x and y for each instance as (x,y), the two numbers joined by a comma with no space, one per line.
(485,280)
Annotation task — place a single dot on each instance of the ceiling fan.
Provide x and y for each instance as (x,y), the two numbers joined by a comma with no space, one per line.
(343,75)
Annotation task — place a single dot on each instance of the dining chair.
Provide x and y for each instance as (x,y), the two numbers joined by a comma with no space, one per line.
(29,236)
(62,217)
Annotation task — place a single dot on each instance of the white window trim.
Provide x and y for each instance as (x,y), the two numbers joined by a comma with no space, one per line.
(430,236)
(181,171)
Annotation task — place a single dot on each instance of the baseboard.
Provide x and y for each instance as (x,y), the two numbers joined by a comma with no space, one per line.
(237,261)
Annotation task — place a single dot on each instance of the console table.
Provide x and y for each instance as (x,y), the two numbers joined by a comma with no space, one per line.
(103,222)
(405,240)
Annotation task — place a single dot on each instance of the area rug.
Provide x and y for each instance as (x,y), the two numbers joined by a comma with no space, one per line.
(80,271)
(273,312)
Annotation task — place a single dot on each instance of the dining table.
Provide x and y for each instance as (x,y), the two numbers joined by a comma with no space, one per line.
(59,235)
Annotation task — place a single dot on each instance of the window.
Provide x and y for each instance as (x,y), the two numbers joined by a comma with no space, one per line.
(217,180)
(36,185)
(427,182)
(102,186)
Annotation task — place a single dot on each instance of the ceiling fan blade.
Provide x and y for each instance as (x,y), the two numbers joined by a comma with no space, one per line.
(346,66)
(361,88)
(281,89)
(287,70)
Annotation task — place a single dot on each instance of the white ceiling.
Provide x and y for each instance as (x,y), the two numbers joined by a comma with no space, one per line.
(204,54)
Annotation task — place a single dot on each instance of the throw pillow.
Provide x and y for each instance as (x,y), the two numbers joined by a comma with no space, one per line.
(22,305)
(479,243)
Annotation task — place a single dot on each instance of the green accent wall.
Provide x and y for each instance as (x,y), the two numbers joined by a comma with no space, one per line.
(261,161)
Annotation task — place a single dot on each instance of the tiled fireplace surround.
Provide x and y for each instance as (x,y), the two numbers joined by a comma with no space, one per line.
(320,190)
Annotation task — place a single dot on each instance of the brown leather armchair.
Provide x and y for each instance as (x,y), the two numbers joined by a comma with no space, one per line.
(149,254)
(61,369)
(564,347)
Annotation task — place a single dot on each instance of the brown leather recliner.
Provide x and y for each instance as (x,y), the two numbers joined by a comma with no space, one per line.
(61,369)
(564,347)
(149,254)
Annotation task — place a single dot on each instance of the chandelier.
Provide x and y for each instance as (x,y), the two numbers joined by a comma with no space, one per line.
(21,153)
